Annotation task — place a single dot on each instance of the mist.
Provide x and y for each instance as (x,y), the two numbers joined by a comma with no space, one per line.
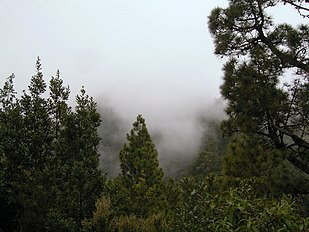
(153,58)
(176,125)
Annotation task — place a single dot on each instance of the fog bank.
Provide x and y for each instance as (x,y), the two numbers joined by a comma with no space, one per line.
(176,125)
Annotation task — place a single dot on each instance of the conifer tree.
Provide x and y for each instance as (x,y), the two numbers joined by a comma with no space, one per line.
(139,158)
(11,142)
(212,146)
(141,177)
(81,181)
(260,53)
(49,161)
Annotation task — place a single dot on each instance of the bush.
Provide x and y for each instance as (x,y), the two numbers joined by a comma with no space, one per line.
(235,209)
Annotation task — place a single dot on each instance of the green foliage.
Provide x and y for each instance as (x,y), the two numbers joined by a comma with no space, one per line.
(138,158)
(81,182)
(103,220)
(260,53)
(58,221)
(153,223)
(285,178)
(248,156)
(235,209)
(212,147)
(50,179)
(139,188)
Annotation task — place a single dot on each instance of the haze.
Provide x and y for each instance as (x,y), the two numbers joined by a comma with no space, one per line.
(153,58)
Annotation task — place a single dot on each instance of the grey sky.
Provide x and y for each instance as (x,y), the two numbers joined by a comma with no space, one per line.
(112,44)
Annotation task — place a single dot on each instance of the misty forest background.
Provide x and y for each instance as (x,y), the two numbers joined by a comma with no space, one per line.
(82,168)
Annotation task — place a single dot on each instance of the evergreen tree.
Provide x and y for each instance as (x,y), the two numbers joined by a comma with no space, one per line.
(81,182)
(35,191)
(11,143)
(141,178)
(213,144)
(249,157)
(49,174)
(260,52)
(139,158)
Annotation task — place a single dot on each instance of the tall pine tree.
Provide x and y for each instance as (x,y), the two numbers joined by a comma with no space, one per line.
(139,158)
(260,53)
(139,188)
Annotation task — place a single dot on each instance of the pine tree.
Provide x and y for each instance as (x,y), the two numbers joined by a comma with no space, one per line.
(248,156)
(260,52)
(139,158)
(141,177)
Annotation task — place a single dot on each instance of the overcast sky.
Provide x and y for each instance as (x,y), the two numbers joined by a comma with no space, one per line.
(119,47)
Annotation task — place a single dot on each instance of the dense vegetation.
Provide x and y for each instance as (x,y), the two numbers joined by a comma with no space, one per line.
(49,160)
(251,173)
